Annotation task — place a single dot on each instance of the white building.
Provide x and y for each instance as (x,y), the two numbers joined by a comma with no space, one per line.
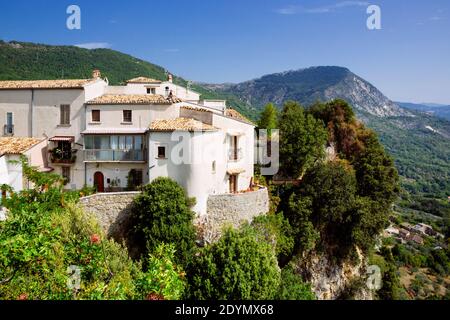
(119,137)
(11,149)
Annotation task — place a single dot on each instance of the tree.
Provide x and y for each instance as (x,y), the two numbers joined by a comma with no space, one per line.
(299,215)
(275,228)
(390,280)
(292,286)
(162,215)
(269,117)
(376,174)
(240,266)
(302,140)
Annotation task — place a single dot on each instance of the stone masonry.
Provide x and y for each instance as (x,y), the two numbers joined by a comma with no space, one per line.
(113,212)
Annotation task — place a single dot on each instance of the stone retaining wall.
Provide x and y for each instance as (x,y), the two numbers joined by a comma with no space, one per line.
(232,210)
(112,211)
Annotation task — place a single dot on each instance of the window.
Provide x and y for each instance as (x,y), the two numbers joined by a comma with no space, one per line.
(9,119)
(127,116)
(101,142)
(66,174)
(161,152)
(167,91)
(65,114)
(9,127)
(135,178)
(234,151)
(151,91)
(213,167)
(95,115)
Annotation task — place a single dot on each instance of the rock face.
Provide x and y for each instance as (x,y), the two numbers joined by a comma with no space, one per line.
(315,84)
(331,280)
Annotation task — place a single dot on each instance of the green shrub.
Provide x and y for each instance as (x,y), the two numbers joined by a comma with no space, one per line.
(162,215)
(163,279)
(46,233)
(240,266)
(276,230)
(292,286)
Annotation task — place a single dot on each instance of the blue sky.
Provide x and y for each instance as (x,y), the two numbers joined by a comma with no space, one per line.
(233,41)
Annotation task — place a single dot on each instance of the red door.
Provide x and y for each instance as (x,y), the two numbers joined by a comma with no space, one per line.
(99,181)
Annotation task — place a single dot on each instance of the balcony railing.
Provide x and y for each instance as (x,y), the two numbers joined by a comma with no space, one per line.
(63,156)
(8,130)
(115,155)
(235,154)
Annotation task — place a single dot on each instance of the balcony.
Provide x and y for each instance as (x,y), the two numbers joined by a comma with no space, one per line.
(8,130)
(60,156)
(235,154)
(115,155)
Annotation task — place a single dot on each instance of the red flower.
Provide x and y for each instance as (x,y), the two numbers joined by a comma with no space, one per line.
(155,296)
(95,238)
(23,296)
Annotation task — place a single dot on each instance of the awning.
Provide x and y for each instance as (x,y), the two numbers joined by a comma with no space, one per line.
(114,131)
(235,171)
(62,138)
(235,133)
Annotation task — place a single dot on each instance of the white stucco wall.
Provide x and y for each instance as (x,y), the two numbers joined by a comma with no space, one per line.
(245,134)
(114,171)
(11,174)
(111,116)
(17,102)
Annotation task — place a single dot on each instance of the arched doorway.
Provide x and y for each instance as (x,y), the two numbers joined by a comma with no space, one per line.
(99,181)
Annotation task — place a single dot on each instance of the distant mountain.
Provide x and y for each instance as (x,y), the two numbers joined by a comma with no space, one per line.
(438,110)
(419,142)
(314,84)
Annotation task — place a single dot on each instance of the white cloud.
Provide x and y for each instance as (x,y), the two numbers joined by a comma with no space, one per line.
(290,10)
(94,45)
(173,50)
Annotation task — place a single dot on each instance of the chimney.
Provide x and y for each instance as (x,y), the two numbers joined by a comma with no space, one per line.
(170,78)
(96,74)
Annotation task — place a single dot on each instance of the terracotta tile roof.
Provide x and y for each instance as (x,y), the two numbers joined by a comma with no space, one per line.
(45,84)
(236,115)
(195,109)
(143,80)
(15,145)
(134,99)
(235,171)
(180,124)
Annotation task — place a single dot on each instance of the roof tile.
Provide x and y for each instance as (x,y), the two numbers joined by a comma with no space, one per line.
(143,80)
(180,124)
(134,99)
(16,145)
(45,84)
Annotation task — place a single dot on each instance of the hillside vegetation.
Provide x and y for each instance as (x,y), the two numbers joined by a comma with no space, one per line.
(29,61)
